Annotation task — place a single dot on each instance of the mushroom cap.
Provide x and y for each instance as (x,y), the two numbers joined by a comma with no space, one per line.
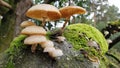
(27,23)
(49,12)
(33,30)
(56,53)
(71,10)
(109,41)
(35,39)
(49,49)
(47,43)
(60,38)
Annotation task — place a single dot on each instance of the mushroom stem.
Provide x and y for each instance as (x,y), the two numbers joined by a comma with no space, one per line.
(33,48)
(65,23)
(43,22)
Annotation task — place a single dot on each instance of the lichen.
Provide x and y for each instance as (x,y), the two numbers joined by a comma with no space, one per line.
(76,34)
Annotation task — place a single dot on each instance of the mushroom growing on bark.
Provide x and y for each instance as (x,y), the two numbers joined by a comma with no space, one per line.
(47,43)
(93,44)
(49,47)
(27,23)
(68,11)
(60,39)
(34,40)
(56,53)
(33,30)
(44,12)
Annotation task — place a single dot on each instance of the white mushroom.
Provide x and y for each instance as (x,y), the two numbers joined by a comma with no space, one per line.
(33,30)
(34,40)
(60,38)
(109,41)
(49,49)
(47,43)
(56,53)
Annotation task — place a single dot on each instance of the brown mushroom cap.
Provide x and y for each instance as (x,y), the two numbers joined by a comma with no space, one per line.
(71,10)
(46,11)
(33,30)
(35,39)
(27,23)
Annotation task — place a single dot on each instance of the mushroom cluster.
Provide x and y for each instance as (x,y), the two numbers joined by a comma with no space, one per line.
(37,34)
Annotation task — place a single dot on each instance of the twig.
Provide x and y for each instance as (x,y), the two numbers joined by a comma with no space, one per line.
(3,3)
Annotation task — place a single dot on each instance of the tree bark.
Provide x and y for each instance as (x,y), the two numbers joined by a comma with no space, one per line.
(21,9)
(10,24)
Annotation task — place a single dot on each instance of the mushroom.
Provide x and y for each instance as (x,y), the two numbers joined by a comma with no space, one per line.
(47,43)
(33,30)
(56,53)
(68,11)
(34,40)
(49,49)
(106,33)
(27,23)
(93,44)
(60,38)
(109,41)
(44,12)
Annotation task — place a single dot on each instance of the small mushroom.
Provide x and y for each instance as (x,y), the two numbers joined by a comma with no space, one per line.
(34,40)
(93,44)
(49,49)
(44,12)
(109,41)
(60,38)
(106,33)
(47,43)
(33,30)
(68,11)
(56,53)
(27,23)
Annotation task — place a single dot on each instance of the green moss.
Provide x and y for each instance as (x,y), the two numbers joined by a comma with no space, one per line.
(15,47)
(76,34)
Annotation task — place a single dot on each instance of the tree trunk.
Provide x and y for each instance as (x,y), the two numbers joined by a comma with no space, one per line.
(21,9)
(39,59)
(10,24)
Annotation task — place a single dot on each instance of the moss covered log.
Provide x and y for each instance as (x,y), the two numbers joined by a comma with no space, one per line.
(19,55)
(79,34)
